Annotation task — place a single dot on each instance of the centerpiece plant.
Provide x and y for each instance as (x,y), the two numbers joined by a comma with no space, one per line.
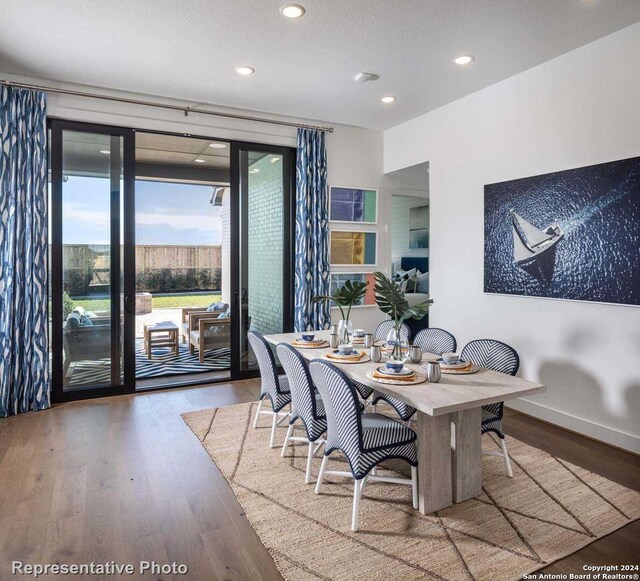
(345,297)
(392,301)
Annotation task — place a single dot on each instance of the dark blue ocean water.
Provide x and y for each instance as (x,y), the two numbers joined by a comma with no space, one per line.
(598,207)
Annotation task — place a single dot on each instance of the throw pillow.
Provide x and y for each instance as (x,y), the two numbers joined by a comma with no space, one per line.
(225,315)
(219,306)
(422,283)
(73,320)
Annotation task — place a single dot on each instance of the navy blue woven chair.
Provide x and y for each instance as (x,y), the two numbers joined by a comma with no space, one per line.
(306,404)
(500,357)
(436,341)
(381,332)
(275,387)
(433,340)
(365,439)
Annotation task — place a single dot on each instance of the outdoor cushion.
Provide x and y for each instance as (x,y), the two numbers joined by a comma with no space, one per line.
(219,306)
(73,320)
(225,315)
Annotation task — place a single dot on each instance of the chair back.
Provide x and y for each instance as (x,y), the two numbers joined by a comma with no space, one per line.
(266,364)
(382,330)
(303,392)
(436,341)
(344,426)
(492,354)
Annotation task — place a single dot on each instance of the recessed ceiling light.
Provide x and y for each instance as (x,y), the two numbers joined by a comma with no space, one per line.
(254,170)
(245,70)
(464,59)
(389,99)
(105,151)
(218,145)
(198,160)
(292,10)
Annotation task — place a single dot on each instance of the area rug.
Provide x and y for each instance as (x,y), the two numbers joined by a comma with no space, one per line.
(164,363)
(549,509)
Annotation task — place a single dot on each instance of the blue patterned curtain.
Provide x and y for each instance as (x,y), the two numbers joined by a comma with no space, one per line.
(312,232)
(24,351)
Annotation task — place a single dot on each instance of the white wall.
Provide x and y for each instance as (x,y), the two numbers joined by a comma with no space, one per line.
(579,109)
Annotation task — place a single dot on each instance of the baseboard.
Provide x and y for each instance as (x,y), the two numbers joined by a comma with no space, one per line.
(598,432)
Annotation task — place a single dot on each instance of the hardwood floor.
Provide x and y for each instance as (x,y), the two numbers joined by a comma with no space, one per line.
(123,479)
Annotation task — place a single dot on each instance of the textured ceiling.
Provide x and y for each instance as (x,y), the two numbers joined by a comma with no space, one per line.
(305,67)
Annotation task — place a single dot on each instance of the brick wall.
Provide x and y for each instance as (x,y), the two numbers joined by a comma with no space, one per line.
(265,245)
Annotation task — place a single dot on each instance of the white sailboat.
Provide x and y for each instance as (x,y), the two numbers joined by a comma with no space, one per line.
(530,242)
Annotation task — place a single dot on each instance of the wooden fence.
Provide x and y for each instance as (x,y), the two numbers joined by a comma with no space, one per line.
(83,256)
(158,268)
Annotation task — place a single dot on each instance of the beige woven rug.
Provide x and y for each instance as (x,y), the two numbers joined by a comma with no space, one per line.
(550,508)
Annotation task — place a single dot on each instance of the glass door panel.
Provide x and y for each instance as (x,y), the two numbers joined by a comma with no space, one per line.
(264,273)
(87,258)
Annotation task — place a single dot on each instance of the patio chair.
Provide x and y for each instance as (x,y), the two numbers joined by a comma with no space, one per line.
(208,331)
(185,329)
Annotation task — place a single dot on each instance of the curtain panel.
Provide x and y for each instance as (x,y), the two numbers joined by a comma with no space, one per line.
(312,232)
(24,347)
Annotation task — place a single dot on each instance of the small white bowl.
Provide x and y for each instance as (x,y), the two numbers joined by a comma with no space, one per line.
(358,333)
(450,358)
(345,349)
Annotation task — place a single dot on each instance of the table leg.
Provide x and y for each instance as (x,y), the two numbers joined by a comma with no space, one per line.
(434,462)
(467,454)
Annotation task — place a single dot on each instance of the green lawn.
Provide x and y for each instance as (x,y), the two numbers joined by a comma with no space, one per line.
(159,302)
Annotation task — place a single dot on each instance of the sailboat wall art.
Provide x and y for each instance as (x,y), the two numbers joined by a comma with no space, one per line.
(571,234)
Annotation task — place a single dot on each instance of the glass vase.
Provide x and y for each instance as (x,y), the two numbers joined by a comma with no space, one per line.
(345,332)
(400,347)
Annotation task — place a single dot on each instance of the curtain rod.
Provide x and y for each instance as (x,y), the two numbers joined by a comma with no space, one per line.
(185,110)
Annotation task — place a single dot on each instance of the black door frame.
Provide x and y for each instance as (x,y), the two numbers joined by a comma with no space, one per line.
(56,125)
(124,346)
(238,189)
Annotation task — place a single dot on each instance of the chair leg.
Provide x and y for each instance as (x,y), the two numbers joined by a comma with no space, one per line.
(505,455)
(414,487)
(307,477)
(274,426)
(357,491)
(321,473)
(255,421)
(286,441)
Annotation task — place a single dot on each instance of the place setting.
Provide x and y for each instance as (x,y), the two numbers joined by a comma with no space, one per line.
(452,364)
(346,353)
(394,372)
(360,337)
(309,341)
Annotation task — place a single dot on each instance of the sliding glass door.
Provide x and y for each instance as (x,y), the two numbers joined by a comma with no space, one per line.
(214,226)
(262,237)
(91,187)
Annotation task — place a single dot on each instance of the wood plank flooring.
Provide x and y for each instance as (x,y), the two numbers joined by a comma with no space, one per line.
(123,479)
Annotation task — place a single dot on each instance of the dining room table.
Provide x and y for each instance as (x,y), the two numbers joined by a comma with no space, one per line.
(448,419)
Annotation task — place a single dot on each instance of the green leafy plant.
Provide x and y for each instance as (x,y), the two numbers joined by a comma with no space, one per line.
(67,304)
(392,302)
(345,297)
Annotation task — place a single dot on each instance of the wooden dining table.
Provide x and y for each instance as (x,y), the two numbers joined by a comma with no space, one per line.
(449,468)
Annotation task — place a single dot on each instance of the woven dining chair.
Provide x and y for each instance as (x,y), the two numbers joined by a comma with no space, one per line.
(273,386)
(500,357)
(433,340)
(365,439)
(381,332)
(306,405)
